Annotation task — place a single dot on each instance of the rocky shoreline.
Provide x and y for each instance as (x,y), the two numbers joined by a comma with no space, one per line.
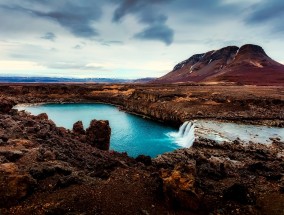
(50,170)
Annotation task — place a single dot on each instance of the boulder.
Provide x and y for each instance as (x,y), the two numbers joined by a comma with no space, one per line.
(179,187)
(146,160)
(48,169)
(6,105)
(78,128)
(98,134)
(14,185)
(42,116)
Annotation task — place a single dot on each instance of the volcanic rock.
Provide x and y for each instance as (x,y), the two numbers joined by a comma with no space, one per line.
(78,128)
(11,155)
(98,134)
(14,185)
(146,160)
(179,187)
(42,116)
(6,105)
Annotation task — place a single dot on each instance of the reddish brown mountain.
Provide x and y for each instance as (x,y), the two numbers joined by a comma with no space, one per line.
(247,65)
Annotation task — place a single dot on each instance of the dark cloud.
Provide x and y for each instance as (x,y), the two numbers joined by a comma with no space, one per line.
(271,12)
(150,10)
(78,21)
(155,13)
(49,36)
(135,6)
(157,32)
(146,13)
(76,16)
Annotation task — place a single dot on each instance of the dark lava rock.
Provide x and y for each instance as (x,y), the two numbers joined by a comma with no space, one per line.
(146,160)
(98,134)
(44,132)
(11,155)
(6,105)
(48,170)
(68,181)
(42,116)
(103,174)
(257,166)
(238,193)
(42,173)
(78,128)
(180,188)
(14,184)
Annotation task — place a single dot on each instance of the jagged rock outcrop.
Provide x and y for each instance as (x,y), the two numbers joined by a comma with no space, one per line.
(98,134)
(6,105)
(78,128)
(179,186)
(248,64)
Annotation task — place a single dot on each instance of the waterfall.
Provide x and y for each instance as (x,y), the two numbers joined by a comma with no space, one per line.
(185,136)
(182,129)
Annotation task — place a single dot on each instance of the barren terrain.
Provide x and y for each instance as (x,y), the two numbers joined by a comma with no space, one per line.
(50,170)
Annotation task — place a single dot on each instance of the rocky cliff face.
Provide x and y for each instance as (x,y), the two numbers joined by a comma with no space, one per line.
(248,64)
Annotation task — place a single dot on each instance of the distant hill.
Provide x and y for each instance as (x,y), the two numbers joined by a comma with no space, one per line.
(246,65)
(144,80)
(60,80)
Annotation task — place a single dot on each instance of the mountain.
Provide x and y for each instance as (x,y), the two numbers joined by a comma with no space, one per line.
(248,64)
(143,80)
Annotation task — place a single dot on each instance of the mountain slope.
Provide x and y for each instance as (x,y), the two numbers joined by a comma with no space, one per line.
(248,65)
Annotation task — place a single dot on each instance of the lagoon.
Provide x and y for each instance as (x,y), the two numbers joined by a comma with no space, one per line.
(129,133)
(136,135)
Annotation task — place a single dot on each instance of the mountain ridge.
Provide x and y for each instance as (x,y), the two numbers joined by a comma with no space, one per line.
(248,64)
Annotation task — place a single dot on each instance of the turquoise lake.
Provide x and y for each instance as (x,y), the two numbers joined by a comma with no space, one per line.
(129,133)
(136,135)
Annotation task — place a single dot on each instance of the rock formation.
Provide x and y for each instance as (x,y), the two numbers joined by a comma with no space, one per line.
(6,105)
(78,128)
(98,134)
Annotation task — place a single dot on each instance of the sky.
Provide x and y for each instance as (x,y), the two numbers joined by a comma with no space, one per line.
(129,38)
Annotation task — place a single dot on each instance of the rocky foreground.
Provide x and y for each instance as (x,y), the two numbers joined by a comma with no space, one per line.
(45,169)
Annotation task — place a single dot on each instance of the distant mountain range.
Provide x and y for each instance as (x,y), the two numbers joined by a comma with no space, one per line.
(248,64)
(69,80)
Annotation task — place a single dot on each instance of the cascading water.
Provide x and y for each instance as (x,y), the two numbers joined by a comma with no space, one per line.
(185,136)
(182,129)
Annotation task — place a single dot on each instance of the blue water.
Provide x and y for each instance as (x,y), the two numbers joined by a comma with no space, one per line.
(129,133)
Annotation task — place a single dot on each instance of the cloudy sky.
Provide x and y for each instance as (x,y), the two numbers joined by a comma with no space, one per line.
(129,38)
